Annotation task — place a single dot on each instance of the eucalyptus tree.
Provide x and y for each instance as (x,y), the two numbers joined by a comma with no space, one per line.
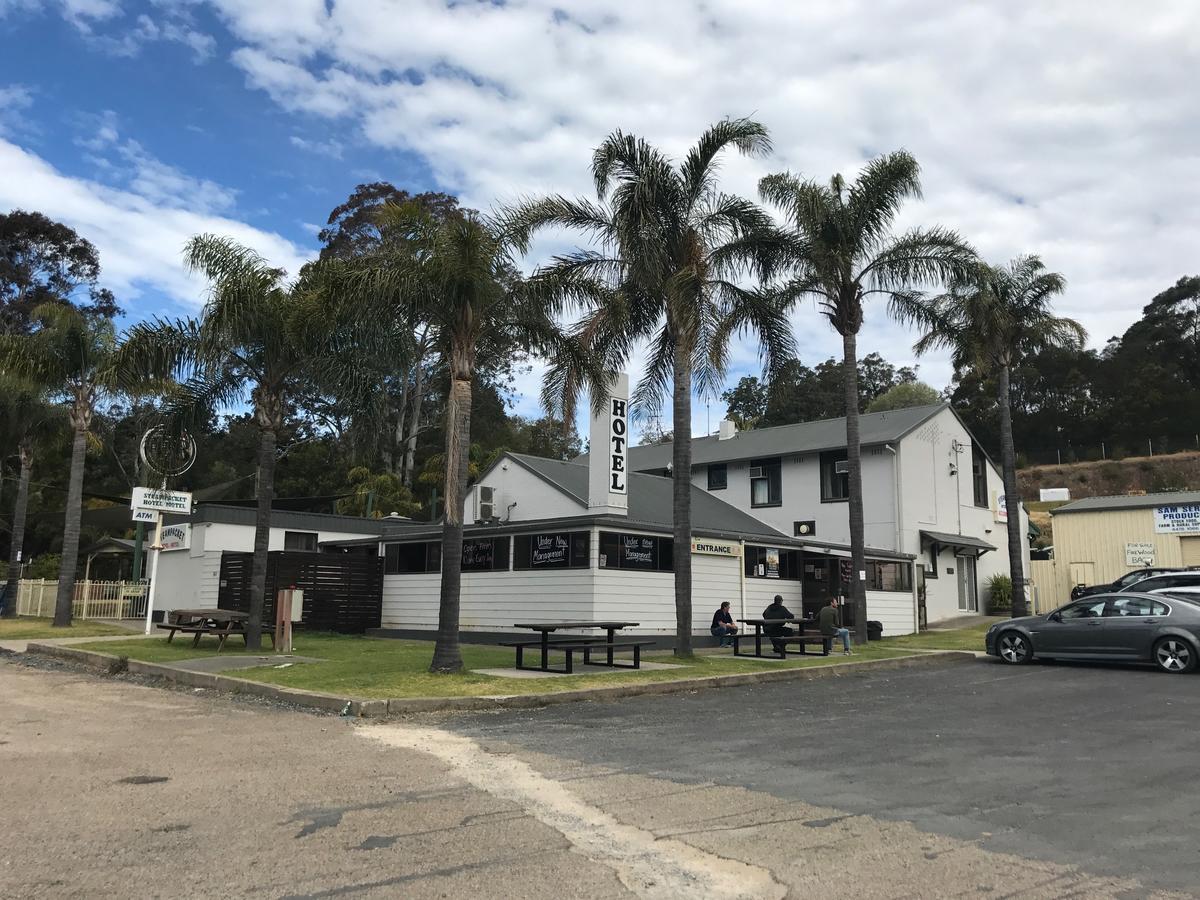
(669,252)
(30,419)
(75,356)
(456,273)
(843,253)
(992,319)
(257,338)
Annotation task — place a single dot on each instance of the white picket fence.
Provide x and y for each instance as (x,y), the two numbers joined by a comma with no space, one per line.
(92,600)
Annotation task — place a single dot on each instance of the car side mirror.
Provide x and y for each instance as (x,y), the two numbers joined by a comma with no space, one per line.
(1054,617)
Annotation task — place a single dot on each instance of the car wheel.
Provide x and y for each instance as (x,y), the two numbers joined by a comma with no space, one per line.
(1013,648)
(1174,655)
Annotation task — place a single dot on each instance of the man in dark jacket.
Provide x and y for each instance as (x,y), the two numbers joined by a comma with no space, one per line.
(829,619)
(778,611)
(722,626)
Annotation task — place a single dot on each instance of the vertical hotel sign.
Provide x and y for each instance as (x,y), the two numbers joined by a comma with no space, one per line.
(618,440)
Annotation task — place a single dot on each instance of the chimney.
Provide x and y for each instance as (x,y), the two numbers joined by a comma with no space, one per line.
(608,452)
(727,430)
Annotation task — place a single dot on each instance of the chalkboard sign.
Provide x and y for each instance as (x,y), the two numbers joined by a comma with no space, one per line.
(484,554)
(560,550)
(637,552)
(549,551)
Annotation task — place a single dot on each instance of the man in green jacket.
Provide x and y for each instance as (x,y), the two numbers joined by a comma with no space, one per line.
(829,619)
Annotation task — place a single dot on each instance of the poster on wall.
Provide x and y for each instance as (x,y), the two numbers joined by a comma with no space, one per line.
(549,550)
(772,563)
(1181,518)
(999,507)
(637,552)
(1138,554)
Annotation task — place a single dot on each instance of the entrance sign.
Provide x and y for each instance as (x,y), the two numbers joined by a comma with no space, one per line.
(179,502)
(711,547)
(1182,518)
(1139,553)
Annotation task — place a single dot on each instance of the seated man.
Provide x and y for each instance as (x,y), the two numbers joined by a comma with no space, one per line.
(830,621)
(777,611)
(722,625)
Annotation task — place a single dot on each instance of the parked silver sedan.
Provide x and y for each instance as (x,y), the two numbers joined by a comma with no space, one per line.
(1163,629)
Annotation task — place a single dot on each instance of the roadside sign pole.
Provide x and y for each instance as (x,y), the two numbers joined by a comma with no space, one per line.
(139,539)
(155,549)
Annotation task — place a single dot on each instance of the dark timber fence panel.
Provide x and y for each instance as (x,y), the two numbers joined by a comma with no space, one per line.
(342,592)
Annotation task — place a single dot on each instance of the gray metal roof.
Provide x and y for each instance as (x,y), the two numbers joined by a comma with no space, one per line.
(803,437)
(281,518)
(1129,501)
(956,540)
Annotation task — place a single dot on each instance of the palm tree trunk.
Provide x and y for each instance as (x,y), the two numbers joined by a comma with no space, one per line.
(72,516)
(18,533)
(1012,500)
(858,554)
(681,513)
(410,448)
(262,536)
(447,656)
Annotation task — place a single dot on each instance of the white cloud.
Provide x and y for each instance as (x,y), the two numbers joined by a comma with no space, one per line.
(14,100)
(1067,129)
(330,148)
(140,232)
(105,25)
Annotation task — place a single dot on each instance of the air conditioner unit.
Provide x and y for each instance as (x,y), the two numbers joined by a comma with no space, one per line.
(842,467)
(486,504)
(756,472)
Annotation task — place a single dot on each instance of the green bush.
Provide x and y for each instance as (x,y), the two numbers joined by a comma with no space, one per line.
(999,594)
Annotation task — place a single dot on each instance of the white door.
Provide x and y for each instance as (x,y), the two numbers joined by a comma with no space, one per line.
(968,598)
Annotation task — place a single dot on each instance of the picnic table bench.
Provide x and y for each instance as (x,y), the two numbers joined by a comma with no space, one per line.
(801,639)
(569,645)
(221,623)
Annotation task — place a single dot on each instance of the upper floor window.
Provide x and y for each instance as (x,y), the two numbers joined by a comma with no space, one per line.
(979,476)
(718,476)
(835,476)
(766,482)
(300,540)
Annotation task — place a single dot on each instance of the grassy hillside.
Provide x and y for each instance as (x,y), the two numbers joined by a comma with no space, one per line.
(1137,474)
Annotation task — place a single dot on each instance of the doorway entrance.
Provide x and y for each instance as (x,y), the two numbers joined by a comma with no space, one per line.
(968,590)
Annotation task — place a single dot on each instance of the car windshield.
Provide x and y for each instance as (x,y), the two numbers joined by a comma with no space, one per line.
(1133,578)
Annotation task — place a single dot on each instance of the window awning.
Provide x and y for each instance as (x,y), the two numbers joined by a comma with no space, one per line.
(956,541)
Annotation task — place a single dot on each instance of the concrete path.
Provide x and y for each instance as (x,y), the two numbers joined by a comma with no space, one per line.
(20,646)
(113,789)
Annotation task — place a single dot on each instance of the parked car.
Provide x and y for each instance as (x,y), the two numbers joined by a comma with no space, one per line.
(1132,626)
(1167,581)
(1125,581)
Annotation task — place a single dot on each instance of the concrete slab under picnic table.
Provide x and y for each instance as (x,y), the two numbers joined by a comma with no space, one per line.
(229,663)
(581,669)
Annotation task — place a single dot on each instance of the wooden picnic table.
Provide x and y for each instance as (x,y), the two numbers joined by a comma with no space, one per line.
(575,642)
(220,623)
(800,637)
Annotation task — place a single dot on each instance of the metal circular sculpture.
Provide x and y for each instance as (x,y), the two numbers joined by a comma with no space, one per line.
(166,451)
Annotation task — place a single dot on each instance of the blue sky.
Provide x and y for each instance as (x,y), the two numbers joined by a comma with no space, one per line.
(1068,129)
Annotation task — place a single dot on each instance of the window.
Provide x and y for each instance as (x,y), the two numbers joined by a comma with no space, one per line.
(1135,606)
(300,540)
(835,476)
(766,482)
(485,554)
(409,559)
(773,562)
(931,564)
(979,476)
(1088,609)
(888,576)
(562,550)
(636,551)
(718,476)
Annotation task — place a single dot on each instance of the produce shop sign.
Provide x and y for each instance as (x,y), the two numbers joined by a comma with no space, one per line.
(1182,518)
(164,501)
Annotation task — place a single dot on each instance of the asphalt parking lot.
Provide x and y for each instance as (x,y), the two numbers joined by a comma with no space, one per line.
(1090,765)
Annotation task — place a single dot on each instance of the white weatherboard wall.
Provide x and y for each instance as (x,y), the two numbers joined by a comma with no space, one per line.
(892,609)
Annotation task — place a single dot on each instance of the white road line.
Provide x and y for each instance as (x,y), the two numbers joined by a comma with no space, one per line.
(651,868)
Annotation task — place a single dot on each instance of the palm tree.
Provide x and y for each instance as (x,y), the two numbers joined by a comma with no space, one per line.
(258,334)
(843,253)
(671,249)
(75,355)
(991,319)
(454,273)
(30,418)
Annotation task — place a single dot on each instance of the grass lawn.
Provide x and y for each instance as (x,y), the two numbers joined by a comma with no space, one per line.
(381,667)
(30,628)
(956,639)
